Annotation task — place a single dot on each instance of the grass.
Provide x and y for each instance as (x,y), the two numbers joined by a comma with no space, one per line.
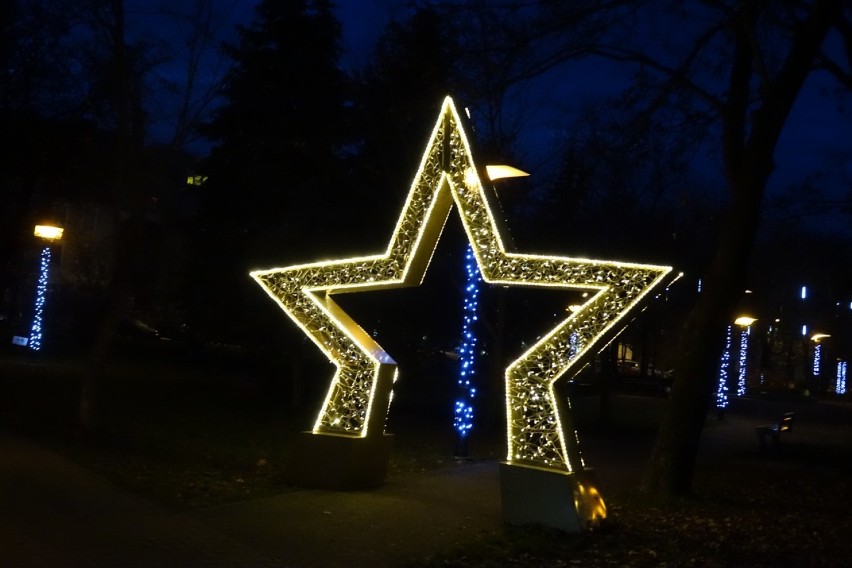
(190,435)
(749,516)
(184,437)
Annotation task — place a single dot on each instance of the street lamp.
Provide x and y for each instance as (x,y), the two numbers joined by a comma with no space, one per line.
(49,234)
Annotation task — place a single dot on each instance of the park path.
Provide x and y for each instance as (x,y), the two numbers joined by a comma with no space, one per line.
(409,519)
(54,514)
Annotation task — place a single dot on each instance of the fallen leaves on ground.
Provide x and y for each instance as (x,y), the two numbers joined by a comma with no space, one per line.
(751,512)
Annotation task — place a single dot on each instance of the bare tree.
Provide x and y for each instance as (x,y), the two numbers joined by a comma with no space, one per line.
(116,97)
(187,87)
(762,86)
(119,67)
(736,68)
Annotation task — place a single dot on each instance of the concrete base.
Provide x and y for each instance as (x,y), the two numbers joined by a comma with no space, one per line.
(329,461)
(557,499)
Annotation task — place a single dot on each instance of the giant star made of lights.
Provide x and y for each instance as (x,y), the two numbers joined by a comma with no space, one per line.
(447,175)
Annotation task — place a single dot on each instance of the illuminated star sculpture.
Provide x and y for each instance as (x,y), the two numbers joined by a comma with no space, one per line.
(357,400)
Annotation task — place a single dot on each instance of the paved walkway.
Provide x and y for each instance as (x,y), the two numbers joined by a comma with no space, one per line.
(407,519)
(54,514)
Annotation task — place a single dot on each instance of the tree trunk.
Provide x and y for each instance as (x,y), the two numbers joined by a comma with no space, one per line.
(700,342)
(128,206)
(748,164)
(608,372)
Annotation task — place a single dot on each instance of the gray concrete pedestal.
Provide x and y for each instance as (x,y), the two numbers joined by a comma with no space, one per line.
(567,501)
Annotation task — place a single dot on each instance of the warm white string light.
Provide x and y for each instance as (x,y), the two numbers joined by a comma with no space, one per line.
(360,389)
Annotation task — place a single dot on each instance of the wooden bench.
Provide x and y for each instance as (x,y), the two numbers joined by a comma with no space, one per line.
(773,431)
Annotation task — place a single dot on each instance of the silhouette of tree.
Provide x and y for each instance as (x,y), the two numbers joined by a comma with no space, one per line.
(276,187)
(735,69)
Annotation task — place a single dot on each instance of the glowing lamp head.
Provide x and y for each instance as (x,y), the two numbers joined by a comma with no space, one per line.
(818,336)
(745,321)
(503,171)
(48,232)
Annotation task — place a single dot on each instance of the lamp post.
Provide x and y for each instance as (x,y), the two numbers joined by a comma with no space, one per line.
(49,234)
(463,409)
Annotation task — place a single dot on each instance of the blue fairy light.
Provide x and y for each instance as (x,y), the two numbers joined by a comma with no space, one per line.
(741,372)
(817,367)
(463,415)
(34,342)
(724,366)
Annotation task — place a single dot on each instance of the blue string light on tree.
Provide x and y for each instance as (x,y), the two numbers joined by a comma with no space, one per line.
(741,372)
(725,365)
(840,385)
(41,291)
(463,413)
(817,367)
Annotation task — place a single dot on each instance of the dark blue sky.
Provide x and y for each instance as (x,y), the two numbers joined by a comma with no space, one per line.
(818,136)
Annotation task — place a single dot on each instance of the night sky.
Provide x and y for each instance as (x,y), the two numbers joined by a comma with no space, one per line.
(818,136)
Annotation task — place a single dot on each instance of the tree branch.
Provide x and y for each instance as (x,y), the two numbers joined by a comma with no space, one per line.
(735,116)
(845,77)
(844,28)
(770,118)
(678,76)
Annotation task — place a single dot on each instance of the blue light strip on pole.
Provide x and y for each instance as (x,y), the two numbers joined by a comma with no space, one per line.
(34,342)
(722,388)
(463,419)
(741,372)
(817,360)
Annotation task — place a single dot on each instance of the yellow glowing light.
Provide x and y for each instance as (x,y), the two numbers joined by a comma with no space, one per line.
(588,501)
(48,232)
(359,393)
(501,171)
(818,336)
(745,321)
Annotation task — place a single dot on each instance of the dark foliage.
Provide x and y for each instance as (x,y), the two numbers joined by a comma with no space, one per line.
(276,188)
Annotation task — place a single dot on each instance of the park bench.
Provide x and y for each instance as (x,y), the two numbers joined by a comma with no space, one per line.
(774,431)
